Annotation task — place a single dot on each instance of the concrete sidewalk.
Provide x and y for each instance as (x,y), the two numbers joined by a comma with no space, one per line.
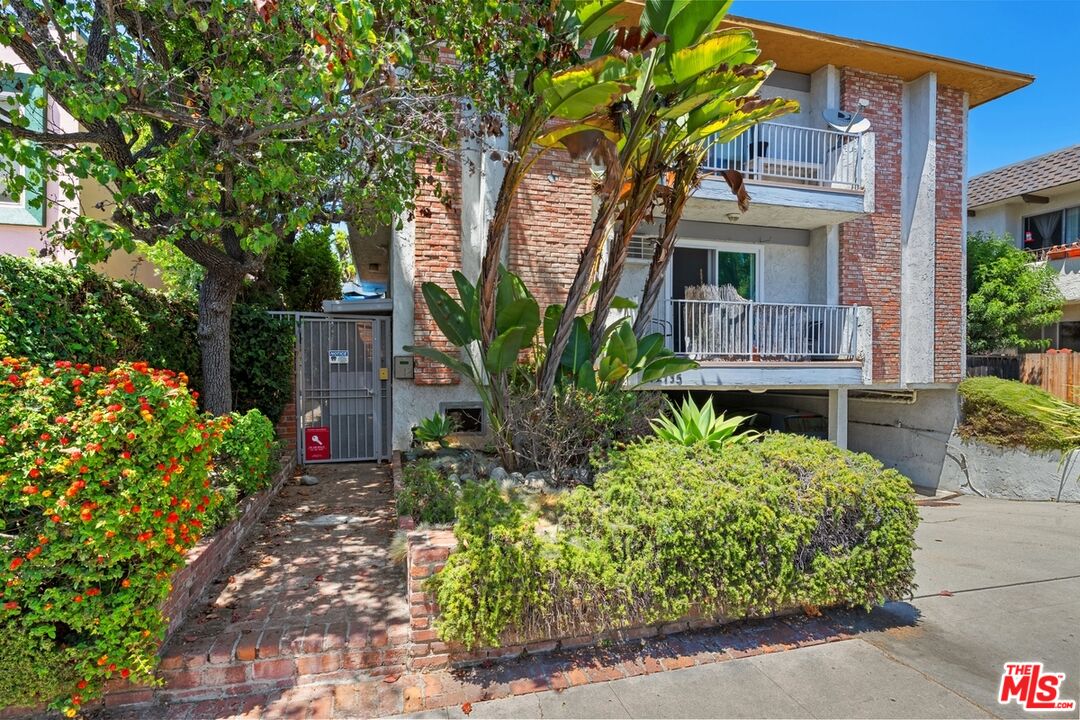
(999,582)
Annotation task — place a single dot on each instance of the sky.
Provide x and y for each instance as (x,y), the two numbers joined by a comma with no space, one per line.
(1040,37)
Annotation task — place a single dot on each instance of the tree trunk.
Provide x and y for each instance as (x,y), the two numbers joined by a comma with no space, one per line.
(662,254)
(217,294)
(579,288)
(619,248)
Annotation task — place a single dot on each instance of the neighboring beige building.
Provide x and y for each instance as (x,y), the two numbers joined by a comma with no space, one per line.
(1037,202)
(24,223)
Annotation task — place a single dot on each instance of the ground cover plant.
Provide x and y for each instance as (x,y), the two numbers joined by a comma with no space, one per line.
(1009,413)
(669,530)
(107,478)
(427,494)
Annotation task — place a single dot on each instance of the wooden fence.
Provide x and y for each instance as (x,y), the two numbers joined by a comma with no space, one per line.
(1002,366)
(1058,374)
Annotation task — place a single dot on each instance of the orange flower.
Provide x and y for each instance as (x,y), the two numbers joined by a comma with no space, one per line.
(16,562)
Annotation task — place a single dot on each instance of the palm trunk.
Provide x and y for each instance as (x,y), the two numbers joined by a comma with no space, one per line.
(549,371)
(217,294)
(619,248)
(682,186)
(488,282)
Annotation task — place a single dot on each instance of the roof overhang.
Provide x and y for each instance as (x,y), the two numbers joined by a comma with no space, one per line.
(804,51)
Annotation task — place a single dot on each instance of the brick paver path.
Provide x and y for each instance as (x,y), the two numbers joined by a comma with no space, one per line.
(311,600)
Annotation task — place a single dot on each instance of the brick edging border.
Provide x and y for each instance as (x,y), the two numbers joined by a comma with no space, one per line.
(205,562)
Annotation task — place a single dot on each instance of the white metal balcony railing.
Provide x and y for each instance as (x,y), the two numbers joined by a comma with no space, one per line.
(773,152)
(720,330)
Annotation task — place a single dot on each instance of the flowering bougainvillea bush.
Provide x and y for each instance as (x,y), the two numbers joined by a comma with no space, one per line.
(105,483)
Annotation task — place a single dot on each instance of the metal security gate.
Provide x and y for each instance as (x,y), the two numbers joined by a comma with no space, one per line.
(343,388)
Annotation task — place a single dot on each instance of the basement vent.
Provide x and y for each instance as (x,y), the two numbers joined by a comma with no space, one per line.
(902,397)
(642,247)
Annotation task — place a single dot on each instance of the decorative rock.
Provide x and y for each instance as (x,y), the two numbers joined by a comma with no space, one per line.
(309,480)
(498,474)
(538,481)
(444,462)
(453,477)
(468,477)
(517,478)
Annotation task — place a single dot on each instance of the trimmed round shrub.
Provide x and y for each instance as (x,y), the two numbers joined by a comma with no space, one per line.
(670,531)
(104,487)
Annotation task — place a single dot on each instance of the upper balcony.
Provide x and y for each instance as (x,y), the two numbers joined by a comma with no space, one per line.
(799,177)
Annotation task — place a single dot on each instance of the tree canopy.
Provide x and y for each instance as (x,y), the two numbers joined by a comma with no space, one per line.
(1009,297)
(223,126)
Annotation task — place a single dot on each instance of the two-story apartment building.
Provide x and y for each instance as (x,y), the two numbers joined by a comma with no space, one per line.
(1037,203)
(836,303)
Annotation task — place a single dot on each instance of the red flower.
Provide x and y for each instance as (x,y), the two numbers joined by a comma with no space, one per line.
(78,598)
(93,591)
(81,684)
(126,455)
(124,673)
(135,508)
(11,605)
(34,472)
(129,387)
(86,515)
(55,518)
(16,562)
(173,517)
(158,513)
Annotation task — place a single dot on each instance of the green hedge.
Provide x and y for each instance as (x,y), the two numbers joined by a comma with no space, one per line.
(669,530)
(49,312)
(1010,413)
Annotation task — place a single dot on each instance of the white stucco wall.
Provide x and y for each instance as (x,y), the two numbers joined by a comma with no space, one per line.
(911,438)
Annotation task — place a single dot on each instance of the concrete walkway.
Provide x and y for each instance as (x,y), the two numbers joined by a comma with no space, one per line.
(998,581)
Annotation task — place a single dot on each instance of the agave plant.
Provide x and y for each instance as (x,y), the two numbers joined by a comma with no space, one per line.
(692,425)
(434,429)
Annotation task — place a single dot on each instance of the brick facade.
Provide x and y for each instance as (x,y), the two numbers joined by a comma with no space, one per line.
(549,225)
(437,255)
(870,246)
(551,221)
(949,302)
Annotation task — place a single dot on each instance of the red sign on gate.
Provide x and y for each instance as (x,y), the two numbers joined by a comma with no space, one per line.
(317,443)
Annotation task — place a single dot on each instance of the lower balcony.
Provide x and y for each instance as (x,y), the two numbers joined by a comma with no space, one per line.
(739,343)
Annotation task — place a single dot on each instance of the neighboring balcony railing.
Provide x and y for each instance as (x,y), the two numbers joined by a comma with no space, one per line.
(772,152)
(720,330)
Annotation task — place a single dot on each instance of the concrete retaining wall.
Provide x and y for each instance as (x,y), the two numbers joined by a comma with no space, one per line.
(1011,473)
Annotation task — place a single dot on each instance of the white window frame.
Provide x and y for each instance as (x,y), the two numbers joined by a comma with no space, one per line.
(19,202)
(722,246)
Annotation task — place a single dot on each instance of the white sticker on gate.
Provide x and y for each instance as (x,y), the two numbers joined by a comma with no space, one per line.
(339,357)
